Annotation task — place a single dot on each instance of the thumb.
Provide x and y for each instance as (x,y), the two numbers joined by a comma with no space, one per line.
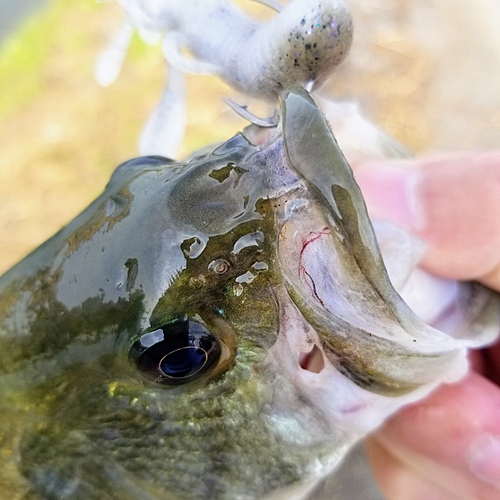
(452,202)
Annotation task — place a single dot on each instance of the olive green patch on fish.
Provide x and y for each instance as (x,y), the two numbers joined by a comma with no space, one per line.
(132,266)
(61,336)
(223,173)
(114,210)
(113,443)
(210,283)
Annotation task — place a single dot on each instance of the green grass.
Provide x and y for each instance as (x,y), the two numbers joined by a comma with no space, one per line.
(25,53)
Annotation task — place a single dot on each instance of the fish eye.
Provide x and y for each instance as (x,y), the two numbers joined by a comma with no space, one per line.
(175,353)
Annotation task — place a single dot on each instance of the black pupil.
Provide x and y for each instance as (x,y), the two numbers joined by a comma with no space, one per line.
(183,362)
(176,352)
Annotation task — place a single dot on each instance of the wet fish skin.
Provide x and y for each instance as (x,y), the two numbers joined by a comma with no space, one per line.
(80,419)
(214,242)
(68,323)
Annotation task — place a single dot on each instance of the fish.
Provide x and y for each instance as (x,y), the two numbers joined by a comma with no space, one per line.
(220,328)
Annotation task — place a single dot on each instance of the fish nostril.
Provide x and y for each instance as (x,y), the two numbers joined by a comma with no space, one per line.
(312,361)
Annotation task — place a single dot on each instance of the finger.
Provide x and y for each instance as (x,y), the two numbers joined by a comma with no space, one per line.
(399,482)
(452,440)
(452,202)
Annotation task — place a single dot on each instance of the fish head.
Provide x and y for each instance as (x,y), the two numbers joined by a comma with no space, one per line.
(218,329)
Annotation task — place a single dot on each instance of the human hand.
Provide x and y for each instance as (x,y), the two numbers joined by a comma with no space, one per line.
(446,447)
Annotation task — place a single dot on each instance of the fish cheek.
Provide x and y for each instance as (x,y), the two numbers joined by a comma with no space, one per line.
(227,288)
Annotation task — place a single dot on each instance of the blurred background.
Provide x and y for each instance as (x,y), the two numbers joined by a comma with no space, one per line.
(427,72)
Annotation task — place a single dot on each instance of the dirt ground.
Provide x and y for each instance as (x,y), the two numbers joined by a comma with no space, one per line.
(61,135)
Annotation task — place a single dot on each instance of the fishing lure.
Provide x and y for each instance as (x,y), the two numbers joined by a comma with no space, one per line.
(303,45)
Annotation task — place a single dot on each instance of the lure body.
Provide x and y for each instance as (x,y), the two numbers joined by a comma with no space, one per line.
(302,44)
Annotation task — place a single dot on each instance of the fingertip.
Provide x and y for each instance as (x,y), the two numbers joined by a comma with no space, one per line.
(451,202)
(491,279)
(387,188)
(455,433)
(470,406)
(397,480)
(459,197)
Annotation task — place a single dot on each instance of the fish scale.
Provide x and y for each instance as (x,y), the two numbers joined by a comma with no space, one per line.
(178,424)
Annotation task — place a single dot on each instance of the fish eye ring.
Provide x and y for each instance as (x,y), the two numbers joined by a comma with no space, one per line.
(175,353)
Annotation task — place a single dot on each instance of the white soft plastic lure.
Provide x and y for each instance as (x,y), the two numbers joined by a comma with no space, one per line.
(303,45)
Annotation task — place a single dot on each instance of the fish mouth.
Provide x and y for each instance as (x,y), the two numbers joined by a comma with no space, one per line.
(353,318)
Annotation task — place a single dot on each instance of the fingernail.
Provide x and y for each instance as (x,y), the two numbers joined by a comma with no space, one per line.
(391,193)
(484,460)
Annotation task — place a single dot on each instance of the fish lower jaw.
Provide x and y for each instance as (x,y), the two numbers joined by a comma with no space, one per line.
(302,372)
(312,403)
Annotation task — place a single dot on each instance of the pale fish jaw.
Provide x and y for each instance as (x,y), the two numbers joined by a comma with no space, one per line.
(312,150)
(463,310)
(309,408)
(336,406)
(404,358)
(313,397)
(338,303)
